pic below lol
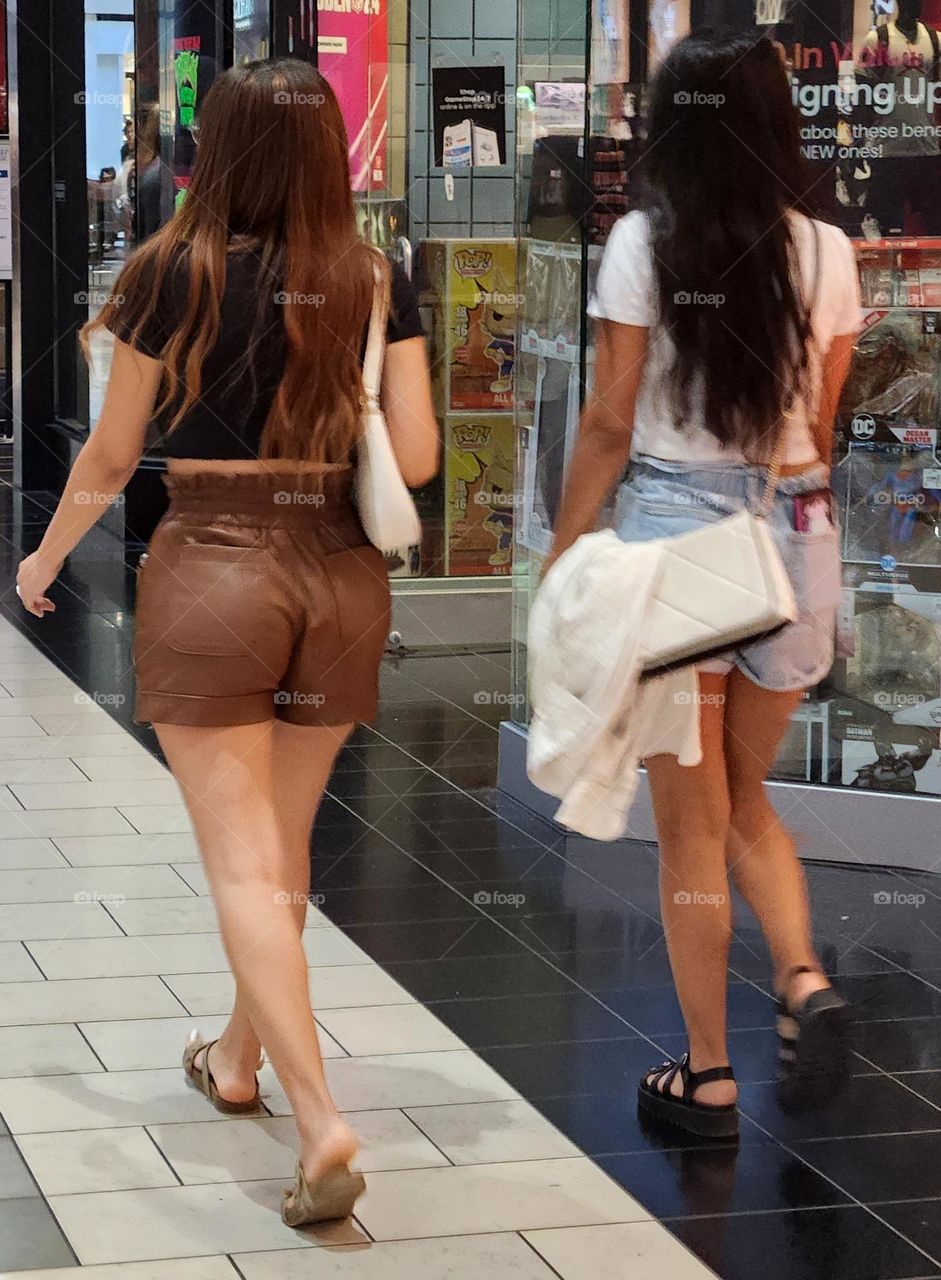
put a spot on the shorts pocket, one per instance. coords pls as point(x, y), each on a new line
point(214, 600)
point(813, 564)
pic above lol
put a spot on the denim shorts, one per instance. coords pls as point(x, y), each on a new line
point(661, 499)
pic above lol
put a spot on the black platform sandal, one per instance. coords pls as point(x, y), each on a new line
point(813, 1045)
point(654, 1098)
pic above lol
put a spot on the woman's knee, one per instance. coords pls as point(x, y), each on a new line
point(751, 813)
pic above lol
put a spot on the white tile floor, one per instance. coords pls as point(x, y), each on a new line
point(109, 952)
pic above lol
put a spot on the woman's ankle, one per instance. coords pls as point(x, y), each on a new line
point(325, 1144)
point(796, 982)
point(239, 1050)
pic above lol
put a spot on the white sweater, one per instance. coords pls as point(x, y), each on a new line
point(593, 720)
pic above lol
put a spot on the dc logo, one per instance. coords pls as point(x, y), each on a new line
point(863, 426)
point(888, 563)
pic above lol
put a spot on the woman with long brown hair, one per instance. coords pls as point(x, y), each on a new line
point(262, 610)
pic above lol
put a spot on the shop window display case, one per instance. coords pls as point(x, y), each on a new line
point(874, 725)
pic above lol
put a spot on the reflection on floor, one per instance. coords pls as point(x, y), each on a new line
point(445, 911)
point(110, 952)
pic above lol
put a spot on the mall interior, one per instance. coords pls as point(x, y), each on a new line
point(488, 986)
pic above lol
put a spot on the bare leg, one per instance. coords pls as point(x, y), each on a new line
point(301, 779)
point(761, 854)
point(251, 848)
point(691, 807)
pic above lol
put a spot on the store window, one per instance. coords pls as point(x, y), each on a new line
point(428, 91)
point(867, 81)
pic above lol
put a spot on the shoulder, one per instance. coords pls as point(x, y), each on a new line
point(630, 235)
point(831, 243)
point(833, 237)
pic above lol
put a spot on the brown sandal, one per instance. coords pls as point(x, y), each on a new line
point(201, 1078)
point(329, 1199)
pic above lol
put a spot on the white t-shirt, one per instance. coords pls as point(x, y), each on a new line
point(626, 291)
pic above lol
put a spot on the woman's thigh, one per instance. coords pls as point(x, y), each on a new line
point(252, 790)
point(692, 802)
point(756, 721)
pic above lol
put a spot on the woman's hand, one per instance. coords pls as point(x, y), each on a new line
point(34, 578)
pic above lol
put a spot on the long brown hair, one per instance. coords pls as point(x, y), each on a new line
point(273, 170)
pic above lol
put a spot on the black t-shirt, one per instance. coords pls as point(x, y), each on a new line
point(241, 373)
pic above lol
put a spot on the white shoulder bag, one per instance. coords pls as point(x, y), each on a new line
point(720, 586)
point(386, 508)
point(725, 583)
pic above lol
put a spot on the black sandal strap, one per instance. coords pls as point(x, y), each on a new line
point(696, 1078)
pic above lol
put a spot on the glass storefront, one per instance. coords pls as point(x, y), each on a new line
point(493, 147)
point(871, 125)
point(411, 77)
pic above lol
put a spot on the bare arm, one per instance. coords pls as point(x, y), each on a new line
point(604, 433)
point(836, 365)
point(103, 467)
point(407, 403)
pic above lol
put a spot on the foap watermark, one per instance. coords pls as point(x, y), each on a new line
point(485, 898)
point(87, 498)
point(691, 499)
point(97, 298)
point(693, 98)
point(892, 498)
point(91, 897)
point(688, 699)
point(883, 898)
point(284, 698)
point(99, 699)
point(97, 99)
point(696, 898)
point(296, 299)
point(499, 501)
point(497, 698)
point(297, 99)
point(895, 700)
point(696, 298)
point(497, 299)
point(284, 899)
point(297, 498)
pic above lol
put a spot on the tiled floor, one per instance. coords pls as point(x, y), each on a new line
point(110, 954)
point(488, 991)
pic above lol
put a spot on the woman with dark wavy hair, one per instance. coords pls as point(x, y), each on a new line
point(262, 610)
point(727, 320)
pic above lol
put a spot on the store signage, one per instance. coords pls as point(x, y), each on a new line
point(369, 8)
point(768, 13)
point(469, 116)
point(353, 53)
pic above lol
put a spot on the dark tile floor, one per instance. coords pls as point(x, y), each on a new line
point(545, 954)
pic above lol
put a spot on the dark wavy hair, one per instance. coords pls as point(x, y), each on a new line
point(722, 168)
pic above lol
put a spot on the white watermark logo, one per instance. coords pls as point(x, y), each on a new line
point(683, 298)
point(883, 898)
point(484, 898)
point(684, 98)
point(496, 698)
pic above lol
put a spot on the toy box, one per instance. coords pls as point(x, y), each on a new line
point(473, 298)
point(479, 493)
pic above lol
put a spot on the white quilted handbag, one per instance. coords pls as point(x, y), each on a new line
point(720, 586)
point(386, 508)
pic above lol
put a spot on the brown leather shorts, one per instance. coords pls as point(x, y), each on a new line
point(260, 598)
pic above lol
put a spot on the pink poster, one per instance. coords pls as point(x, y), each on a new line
point(353, 53)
